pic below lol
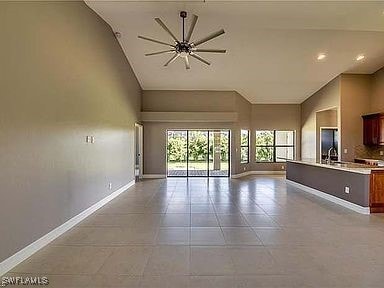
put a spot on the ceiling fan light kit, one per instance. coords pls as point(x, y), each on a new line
point(185, 47)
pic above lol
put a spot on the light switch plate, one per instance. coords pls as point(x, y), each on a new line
point(381, 153)
point(345, 151)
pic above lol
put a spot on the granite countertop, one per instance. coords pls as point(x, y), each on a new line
point(378, 162)
point(344, 166)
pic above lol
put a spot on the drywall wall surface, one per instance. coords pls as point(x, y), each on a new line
point(326, 98)
point(63, 77)
point(355, 91)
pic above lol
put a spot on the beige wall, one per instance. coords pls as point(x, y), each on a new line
point(376, 104)
point(274, 117)
point(377, 99)
point(244, 109)
point(355, 94)
point(63, 76)
point(190, 101)
point(326, 98)
point(251, 117)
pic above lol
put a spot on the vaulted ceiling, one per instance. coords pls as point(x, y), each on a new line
point(272, 47)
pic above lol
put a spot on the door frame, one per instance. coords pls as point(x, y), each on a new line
point(187, 162)
point(320, 140)
point(139, 150)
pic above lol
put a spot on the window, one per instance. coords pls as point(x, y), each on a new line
point(275, 146)
point(244, 146)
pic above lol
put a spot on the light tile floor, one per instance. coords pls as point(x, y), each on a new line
point(218, 232)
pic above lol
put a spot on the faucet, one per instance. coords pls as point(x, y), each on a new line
point(330, 150)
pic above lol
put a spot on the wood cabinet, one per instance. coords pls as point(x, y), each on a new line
point(373, 129)
point(381, 130)
point(376, 197)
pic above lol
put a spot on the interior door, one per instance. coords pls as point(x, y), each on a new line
point(138, 151)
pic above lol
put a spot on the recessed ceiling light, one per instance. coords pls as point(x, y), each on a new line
point(360, 57)
point(321, 56)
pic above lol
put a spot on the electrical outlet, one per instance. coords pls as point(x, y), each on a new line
point(244, 168)
point(110, 186)
point(92, 139)
point(381, 153)
point(346, 189)
point(345, 151)
point(282, 167)
point(87, 139)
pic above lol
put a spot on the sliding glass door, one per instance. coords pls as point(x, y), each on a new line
point(219, 153)
point(198, 153)
point(177, 153)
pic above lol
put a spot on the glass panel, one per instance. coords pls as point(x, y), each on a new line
point(264, 138)
point(264, 154)
point(197, 153)
point(284, 138)
point(244, 137)
point(177, 153)
point(284, 153)
point(218, 153)
point(244, 154)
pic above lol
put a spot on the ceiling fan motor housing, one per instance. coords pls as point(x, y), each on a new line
point(183, 47)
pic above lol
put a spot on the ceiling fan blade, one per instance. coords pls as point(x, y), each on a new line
point(174, 57)
point(209, 37)
point(211, 50)
point(161, 23)
point(186, 60)
point(191, 28)
point(199, 58)
point(154, 40)
point(160, 52)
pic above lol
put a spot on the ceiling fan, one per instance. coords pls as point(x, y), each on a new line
point(185, 47)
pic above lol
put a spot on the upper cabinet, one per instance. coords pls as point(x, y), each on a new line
point(374, 129)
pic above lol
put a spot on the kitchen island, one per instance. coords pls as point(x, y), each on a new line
point(355, 186)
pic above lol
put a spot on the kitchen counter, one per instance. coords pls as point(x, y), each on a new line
point(356, 186)
point(368, 161)
point(344, 166)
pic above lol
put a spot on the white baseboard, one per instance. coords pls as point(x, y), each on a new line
point(247, 173)
point(334, 199)
point(154, 176)
point(32, 248)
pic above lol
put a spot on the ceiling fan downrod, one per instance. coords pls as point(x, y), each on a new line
point(183, 15)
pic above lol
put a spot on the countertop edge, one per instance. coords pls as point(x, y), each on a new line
point(366, 171)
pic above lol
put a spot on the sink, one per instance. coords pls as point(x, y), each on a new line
point(334, 162)
point(341, 162)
